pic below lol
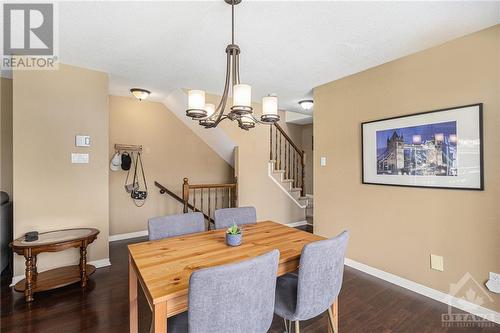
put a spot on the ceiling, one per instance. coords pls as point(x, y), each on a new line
point(288, 47)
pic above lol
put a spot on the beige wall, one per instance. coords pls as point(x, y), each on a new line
point(307, 146)
point(254, 185)
point(462, 226)
point(171, 152)
point(50, 108)
point(6, 135)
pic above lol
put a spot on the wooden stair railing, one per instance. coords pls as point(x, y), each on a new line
point(287, 157)
point(210, 196)
point(204, 198)
point(164, 190)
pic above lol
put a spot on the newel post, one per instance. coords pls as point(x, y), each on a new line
point(235, 197)
point(185, 194)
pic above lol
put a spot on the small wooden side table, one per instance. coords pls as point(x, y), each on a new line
point(54, 241)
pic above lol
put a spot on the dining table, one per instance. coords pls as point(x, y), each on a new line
point(162, 268)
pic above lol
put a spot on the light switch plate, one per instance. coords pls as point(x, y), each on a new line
point(79, 158)
point(437, 262)
point(82, 141)
point(322, 161)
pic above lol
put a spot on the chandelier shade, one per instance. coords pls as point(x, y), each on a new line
point(241, 110)
point(269, 109)
point(196, 104)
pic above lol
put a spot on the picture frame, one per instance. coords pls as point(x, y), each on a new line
point(440, 149)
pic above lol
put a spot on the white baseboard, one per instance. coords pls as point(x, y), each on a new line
point(426, 291)
point(296, 224)
point(97, 263)
point(100, 263)
point(129, 235)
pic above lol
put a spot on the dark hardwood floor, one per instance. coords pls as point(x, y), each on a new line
point(367, 304)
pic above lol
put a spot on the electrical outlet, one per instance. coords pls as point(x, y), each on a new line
point(437, 262)
point(322, 161)
point(495, 277)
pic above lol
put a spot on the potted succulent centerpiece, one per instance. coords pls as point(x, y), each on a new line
point(233, 235)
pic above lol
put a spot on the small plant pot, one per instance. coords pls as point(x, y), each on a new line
point(233, 240)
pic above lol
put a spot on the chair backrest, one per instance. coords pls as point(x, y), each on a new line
point(175, 225)
point(320, 275)
point(224, 218)
point(234, 298)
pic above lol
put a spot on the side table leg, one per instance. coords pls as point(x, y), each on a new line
point(83, 265)
point(28, 291)
point(35, 270)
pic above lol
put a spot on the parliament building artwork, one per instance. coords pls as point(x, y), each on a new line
point(424, 150)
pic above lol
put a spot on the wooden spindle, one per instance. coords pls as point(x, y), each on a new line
point(276, 166)
point(185, 194)
point(270, 143)
point(294, 170)
point(302, 164)
point(209, 204)
point(289, 167)
point(194, 200)
point(286, 164)
point(216, 195)
point(280, 167)
point(201, 203)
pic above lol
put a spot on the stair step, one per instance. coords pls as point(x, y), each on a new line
point(296, 189)
point(287, 181)
point(279, 171)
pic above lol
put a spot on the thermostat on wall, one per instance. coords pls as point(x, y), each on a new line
point(82, 141)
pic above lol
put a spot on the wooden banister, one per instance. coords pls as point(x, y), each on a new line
point(164, 190)
point(290, 141)
point(211, 197)
point(287, 156)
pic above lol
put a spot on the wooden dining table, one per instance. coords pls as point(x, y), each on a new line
point(162, 268)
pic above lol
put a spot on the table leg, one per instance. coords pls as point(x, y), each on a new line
point(160, 317)
point(83, 265)
point(28, 291)
point(132, 293)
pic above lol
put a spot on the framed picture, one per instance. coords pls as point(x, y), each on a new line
point(436, 149)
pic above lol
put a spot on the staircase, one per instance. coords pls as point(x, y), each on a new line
point(286, 165)
point(204, 198)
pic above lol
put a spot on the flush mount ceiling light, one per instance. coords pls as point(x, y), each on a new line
point(210, 116)
point(139, 93)
point(306, 104)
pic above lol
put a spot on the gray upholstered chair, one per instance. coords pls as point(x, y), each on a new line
point(175, 225)
point(317, 285)
point(234, 298)
point(224, 218)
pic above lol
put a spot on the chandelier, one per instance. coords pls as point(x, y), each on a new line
point(241, 111)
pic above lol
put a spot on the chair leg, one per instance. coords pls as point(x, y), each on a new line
point(297, 326)
point(286, 326)
point(332, 323)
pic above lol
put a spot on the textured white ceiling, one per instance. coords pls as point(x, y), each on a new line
point(288, 47)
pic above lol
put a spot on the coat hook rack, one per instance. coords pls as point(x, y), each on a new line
point(123, 147)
